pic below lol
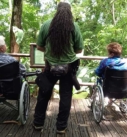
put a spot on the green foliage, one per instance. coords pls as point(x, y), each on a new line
point(80, 95)
point(31, 24)
point(4, 19)
point(96, 23)
point(95, 19)
point(99, 22)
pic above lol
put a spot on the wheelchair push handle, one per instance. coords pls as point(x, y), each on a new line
point(27, 74)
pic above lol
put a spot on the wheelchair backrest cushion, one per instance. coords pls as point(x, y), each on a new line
point(10, 80)
point(115, 83)
point(9, 70)
point(10, 88)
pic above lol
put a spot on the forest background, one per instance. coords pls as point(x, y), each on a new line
point(100, 22)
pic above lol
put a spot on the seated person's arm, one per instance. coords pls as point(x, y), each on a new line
point(99, 71)
point(22, 68)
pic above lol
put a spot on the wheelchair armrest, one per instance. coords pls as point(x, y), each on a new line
point(27, 74)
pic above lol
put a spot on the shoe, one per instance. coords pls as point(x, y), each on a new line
point(37, 127)
point(61, 131)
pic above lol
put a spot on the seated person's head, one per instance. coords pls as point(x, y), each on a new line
point(114, 49)
point(2, 45)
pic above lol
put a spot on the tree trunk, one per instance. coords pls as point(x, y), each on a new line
point(113, 13)
point(15, 21)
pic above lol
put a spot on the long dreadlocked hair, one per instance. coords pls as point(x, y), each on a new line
point(60, 30)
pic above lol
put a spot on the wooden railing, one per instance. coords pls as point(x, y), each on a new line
point(81, 57)
point(19, 55)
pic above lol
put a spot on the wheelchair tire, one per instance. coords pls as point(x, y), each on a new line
point(92, 96)
point(24, 102)
point(98, 104)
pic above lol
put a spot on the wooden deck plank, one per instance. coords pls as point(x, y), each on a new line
point(74, 122)
point(104, 128)
point(116, 120)
point(8, 127)
point(52, 117)
point(80, 123)
point(22, 131)
point(8, 115)
point(87, 113)
point(113, 129)
point(28, 128)
point(97, 128)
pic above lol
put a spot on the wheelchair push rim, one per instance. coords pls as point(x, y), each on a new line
point(24, 103)
point(98, 104)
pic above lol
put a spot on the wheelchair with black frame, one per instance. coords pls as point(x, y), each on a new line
point(113, 86)
point(14, 86)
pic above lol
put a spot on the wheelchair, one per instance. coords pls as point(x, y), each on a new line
point(14, 86)
point(113, 86)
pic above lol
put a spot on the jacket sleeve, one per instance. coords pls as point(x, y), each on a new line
point(99, 71)
point(22, 68)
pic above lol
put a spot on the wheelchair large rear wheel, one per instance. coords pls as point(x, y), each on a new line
point(24, 103)
point(98, 104)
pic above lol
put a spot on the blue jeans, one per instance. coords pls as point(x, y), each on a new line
point(65, 91)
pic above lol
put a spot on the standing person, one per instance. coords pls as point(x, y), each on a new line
point(60, 39)
point(5, 58)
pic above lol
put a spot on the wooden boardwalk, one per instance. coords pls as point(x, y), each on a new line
point(81, 122)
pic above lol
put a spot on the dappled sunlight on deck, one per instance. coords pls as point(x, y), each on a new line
point(80, 124)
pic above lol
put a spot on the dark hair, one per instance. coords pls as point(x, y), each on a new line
point(60, 30)
point(114, 48)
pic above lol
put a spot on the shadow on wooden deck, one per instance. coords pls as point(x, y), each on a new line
point(80, 124)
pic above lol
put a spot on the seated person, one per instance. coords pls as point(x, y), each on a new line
point(5, 58)
point(114, 61)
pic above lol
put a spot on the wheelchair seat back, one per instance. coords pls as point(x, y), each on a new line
point(10, 80)
point(115, 83)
